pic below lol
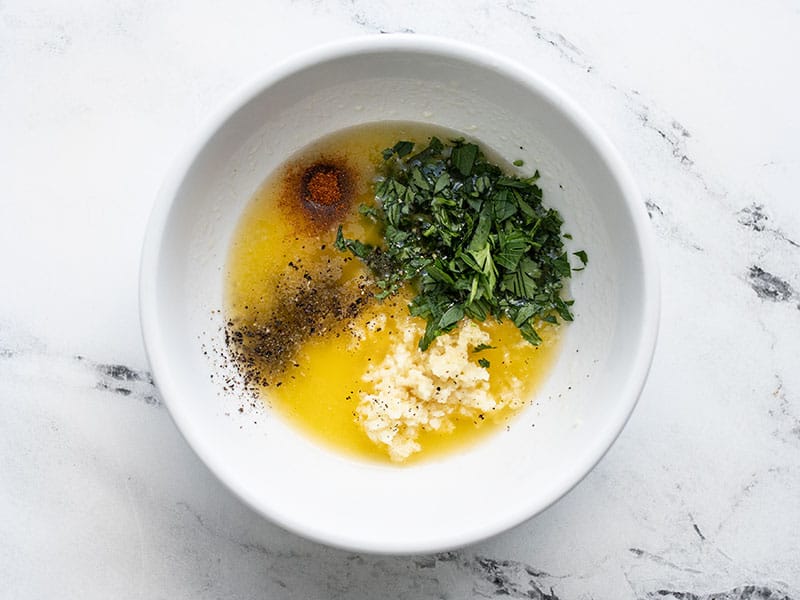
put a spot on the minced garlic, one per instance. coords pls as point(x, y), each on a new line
point(414, 391)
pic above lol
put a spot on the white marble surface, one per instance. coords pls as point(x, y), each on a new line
point(101, 498)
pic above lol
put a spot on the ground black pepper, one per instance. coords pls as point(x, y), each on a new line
point(263, 344)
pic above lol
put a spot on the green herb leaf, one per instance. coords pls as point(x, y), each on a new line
point(452, 316)
point(358, 248)
point(561, 265)
point(482, 347)
point(403, 148)
point(367, 211)
point(463, 158)
point(418, 179)
point(480, 237)
point(484, 363)
point(513, 245)
point(442, 183)
point(530, 335)
point(472, 241)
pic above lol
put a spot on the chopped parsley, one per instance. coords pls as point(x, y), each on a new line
point(472, 241)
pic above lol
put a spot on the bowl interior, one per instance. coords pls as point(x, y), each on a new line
point(495, 484)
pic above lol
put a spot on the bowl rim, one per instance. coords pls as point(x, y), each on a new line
point(154, 342)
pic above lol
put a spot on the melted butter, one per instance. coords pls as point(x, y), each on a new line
point(319, 388)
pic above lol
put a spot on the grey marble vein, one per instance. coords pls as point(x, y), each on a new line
point(769, 286)
point(644, 554)
point(479, 575)
point(666, 226)
point(754, 217)
point(666, 127)
point(749, 592)
point(564, 47)
point(117, 379)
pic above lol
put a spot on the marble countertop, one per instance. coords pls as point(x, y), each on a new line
point(101, 498)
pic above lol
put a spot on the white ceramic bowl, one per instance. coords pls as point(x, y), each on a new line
point(499, 482)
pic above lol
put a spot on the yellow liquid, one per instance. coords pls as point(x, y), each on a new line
point(319, 388)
